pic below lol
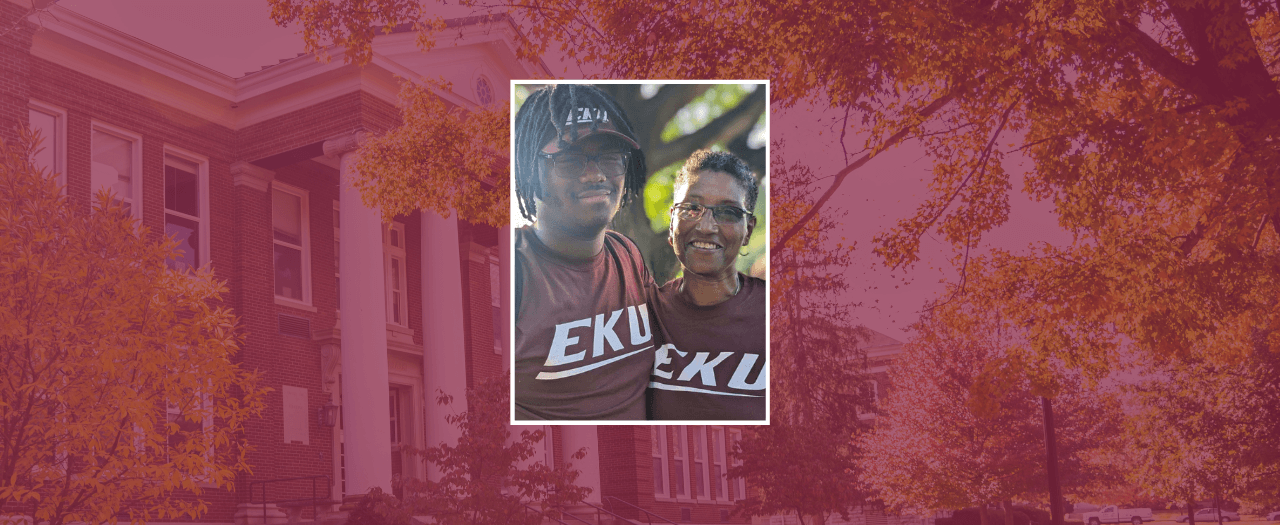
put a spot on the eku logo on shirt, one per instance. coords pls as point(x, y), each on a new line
point(699, 374)
point(603, 332)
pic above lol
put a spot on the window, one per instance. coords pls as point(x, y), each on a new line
point(290, 235)
point(393, 403)
point(548, 446)
point(51, 122)
point(116, 166)
point(719, 485)
point(658, 435)
point(394, 254)
point(185, 208)
point(191, 417)
point(700, 462)
point(868, 396)
point(680, 453)
point(495, 299)
point(484, 91)
point(739, 485)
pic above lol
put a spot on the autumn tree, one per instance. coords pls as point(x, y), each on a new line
point(803, 462)
point(963, 425)
point(119, 396)
point(442, 158)
point(487, 477)
point(1202, 431)
point(1148, 124)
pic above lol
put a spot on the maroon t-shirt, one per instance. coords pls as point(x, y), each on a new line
point(584, 337)
point(712, 367)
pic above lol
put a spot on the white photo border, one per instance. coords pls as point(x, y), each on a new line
point(768, 177)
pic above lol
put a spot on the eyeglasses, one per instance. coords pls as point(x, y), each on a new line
point(573, 164)
point(724, 214)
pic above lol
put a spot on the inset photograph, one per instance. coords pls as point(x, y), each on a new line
point(640, 286)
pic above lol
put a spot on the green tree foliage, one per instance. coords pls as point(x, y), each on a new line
point(118, 393)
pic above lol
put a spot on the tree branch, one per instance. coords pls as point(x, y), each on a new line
point(977, 168)
point(924, 113)
point(660, 109)
point(738, 120)
point(1164, 63)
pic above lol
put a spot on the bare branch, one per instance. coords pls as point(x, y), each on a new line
point(924, 113)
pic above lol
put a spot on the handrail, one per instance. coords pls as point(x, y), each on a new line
point(579, 518)
point(648, 514)
point(543, 514)
point(313, 500)
point(611, 513)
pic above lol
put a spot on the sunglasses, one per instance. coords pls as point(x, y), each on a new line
point(724, 214)
point(573, 164)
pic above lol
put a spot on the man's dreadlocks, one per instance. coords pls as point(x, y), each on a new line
point(545, 112)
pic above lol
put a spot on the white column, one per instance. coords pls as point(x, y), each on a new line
point(444, 365)
point(366, 435)
point(504, 269)
point(574, 437)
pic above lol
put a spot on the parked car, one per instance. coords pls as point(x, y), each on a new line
point(1113, 514)
point(1210, 514)
point(1274, 516)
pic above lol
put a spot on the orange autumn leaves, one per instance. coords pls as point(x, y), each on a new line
point(120, 391)
point(441, 158)
point(1151, 127)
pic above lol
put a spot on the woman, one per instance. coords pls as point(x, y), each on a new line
point(712, 367)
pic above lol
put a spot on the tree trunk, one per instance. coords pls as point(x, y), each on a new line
point(1217, 506)
point(1051, 464)
point(1191, 512)
point(1007, 506)
point(982, 514)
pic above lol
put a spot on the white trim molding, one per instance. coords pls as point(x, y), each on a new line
point(251, 176)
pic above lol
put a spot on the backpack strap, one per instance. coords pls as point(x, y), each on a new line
point(519, 283)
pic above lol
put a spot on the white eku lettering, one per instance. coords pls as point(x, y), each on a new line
point(637, 321)
point(703, 368)
point(584, 116)
point(739, 379)
point(605, 331)
point(661, 358)
point(643, 315)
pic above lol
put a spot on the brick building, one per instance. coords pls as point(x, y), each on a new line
point(249, 173)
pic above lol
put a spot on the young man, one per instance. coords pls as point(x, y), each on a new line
point(584, 346)
point(713, 318)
